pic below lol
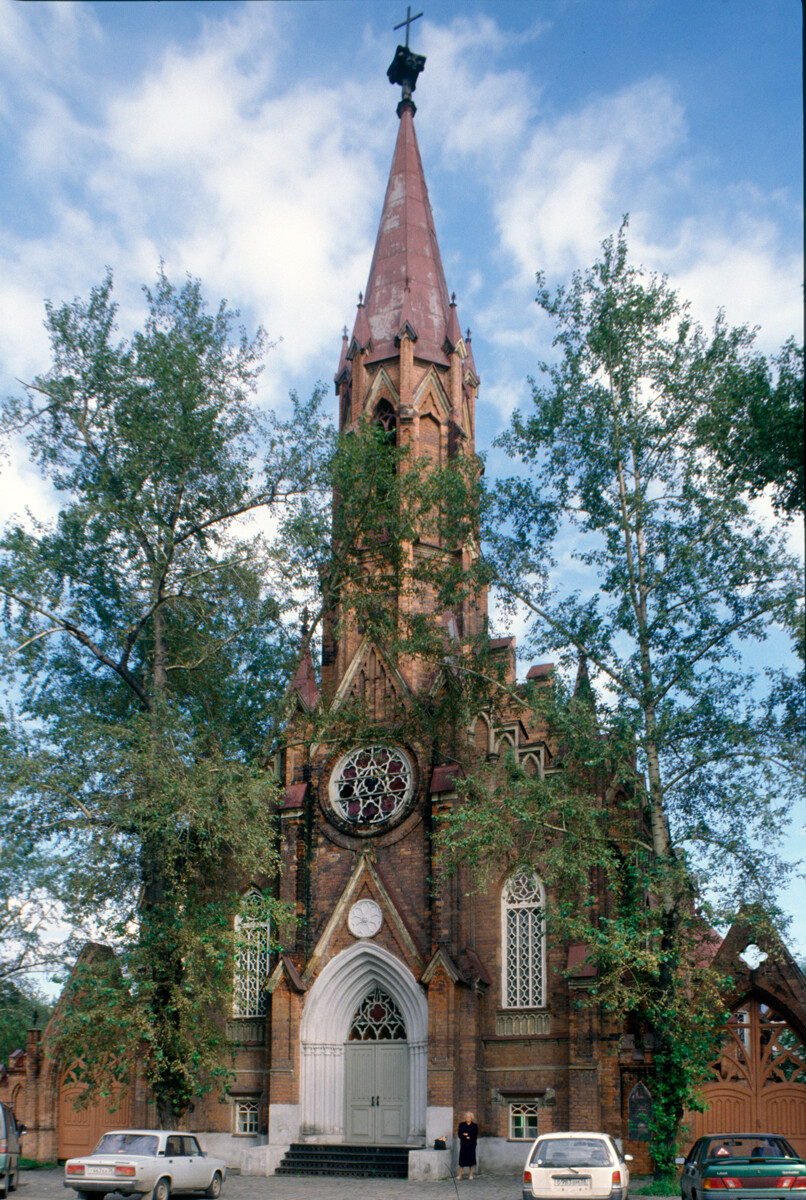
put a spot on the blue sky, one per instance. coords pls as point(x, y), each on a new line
point(249, 144)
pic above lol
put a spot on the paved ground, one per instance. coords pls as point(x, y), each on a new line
point(48, 1185)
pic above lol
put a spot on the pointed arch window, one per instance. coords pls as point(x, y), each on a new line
point(523, 937)
point(378, 1019)
point(252, 941)
point(385, 417)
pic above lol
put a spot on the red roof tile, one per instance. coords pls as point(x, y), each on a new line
point(294, 797)
point(576, 965)
point(540, 671)
point(444, 777)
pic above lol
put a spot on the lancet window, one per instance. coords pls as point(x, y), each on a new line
point(524, 941)
point(378, 1019)
point(252, 941)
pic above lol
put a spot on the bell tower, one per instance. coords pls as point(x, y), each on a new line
point(406, 365)
point(362, 999)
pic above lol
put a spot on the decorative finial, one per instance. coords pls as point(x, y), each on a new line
point(467, 334)
point(306, 616)
point(408, 22)
point(360, 298)
point(344, 333)
point(406, 65)
point(453, 297)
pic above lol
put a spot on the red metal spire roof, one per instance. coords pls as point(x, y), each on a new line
point(406, 270)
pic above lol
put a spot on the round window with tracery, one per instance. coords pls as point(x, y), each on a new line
point(371, 785)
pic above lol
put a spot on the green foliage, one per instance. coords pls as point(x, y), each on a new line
point(151, 635)
point(19, 1001)
point(661, 1185)
point(676, 773)
point(149, 638)
point(755, 427)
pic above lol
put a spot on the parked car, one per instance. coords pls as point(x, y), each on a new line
point(576, 1164)
point(748, 1164)
point(10, 1133)
point(157, 1163)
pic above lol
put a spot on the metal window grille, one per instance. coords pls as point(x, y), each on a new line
point(246, 1116)
point(523, 1121)
point(252, 939)
point(524, 935)
point(371, 784)
point(378, 1019)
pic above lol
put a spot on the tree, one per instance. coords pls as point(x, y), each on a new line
point(691, 775)
point(150, 641)
point(755, 427)
point(22, 1006)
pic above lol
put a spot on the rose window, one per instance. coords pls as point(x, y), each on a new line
point(371, 785)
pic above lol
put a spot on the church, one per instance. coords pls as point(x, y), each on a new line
point(405, 998)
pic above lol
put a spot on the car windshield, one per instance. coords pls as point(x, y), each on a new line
point(748, 1147)
point(571, 1152)
point(127, 1143)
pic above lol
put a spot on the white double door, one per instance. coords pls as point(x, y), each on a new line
point(376, 1093)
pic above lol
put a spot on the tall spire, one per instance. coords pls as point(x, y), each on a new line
point(406, 285)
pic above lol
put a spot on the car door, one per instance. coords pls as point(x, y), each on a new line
point(689, 1179)
point(195, 1163)
point(176, 1162)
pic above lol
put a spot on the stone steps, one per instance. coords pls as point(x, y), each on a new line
point(366, 1162)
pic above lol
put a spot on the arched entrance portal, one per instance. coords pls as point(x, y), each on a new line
point(338, 1005)
point(759, 1082)
point(376, 1073)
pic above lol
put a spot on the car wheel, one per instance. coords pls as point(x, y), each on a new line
point(214, 1190)
point(162, 1190)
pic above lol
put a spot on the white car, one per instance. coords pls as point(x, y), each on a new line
point(156, 1163)
point(576, 1164)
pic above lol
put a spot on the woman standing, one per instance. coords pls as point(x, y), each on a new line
point(468, 1134)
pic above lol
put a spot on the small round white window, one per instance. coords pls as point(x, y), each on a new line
point(371, 785)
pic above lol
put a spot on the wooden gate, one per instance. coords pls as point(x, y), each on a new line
point(759, 1080)
point(79, 1129)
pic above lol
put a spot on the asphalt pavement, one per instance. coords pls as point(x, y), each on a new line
point(48, 1185)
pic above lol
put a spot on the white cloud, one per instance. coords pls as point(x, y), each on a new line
point(741, 264)
point(579, 174)
point(478, 111)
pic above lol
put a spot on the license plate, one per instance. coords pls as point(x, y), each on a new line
point(103, 1170)
point(572, 1183)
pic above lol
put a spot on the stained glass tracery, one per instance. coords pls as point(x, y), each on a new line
point(378, 1019)
point(524, 941)
point(252, 946)
point(371, 784)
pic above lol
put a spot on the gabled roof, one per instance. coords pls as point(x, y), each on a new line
point(304, 683)
point(406, 285)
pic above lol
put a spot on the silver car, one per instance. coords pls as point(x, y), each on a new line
point(576, 1164)
point(157, 1163)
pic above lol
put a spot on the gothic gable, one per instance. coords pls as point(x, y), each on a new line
point(381, 387)
point(372, 681)
point(364, 885)
point(430, 397)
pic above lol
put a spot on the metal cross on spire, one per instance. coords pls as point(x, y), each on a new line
point(406, 65)
point(408, 21)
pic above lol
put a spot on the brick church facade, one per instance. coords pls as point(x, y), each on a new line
point(405, 997)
